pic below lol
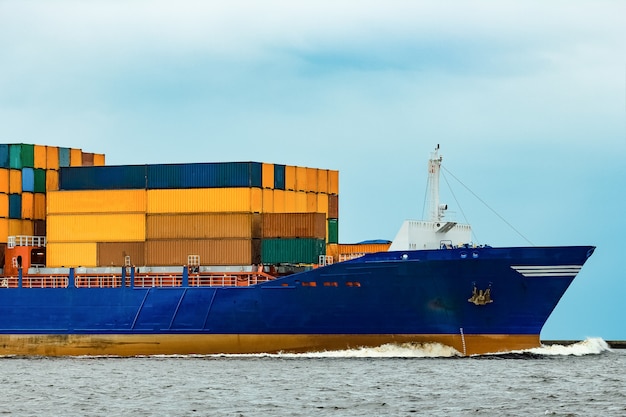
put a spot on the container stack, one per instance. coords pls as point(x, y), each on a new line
point(235, 213)
point(27, 174)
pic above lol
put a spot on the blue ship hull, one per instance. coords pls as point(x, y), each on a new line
point(477, 300)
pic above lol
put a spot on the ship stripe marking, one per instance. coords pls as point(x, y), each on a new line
point(547, 270)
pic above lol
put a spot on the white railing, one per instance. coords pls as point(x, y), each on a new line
point(37, 241)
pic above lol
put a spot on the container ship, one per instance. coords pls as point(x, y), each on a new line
point(244, 257)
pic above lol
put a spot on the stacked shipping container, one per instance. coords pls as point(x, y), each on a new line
point(237, 213)
point(27, 174)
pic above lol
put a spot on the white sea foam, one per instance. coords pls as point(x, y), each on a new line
point(589, 346)
point(390, 350)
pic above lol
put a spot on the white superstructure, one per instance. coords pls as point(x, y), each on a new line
point(435, 232)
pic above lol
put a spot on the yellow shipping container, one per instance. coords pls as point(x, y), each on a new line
point(301, 179)
point(268, 176)
point(39, 210)
point(322, 180)
point(98, 159)
point(28, 205)
point(71, 254)
point(4, 180)
point(76, 157)
point(290, 177)
point(15, 181)
point(52, 180)
point(52, 157)
point(40, 157)
point(96, 227)
point(333, 182)
point(205, 200)
point(203, 226)
point(97, 201)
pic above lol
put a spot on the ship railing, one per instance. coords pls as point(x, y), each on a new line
point(9, 282)
point(228, 279)
point(42, 281)
point(97, 281)
point(347, 256)
point(157, 280)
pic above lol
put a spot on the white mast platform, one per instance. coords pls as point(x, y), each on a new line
point(434, 233)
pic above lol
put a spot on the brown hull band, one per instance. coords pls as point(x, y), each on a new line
point(168, 344)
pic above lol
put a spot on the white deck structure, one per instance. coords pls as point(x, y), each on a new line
point(436, 232)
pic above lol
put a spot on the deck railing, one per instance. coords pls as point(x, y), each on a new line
point(139, 280)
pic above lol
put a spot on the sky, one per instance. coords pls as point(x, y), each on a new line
point(526, 99)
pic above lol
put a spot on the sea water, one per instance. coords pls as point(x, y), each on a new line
point(584, 379)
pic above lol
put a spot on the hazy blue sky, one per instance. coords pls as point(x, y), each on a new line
point(527, 99)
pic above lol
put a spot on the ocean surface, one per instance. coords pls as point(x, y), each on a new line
point(585, 379)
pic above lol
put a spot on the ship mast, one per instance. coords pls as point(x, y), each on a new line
point(435, 210)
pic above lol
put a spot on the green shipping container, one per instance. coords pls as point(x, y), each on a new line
point(333, 231)
point(40, 180)
point(292, 251)
point(21, 156)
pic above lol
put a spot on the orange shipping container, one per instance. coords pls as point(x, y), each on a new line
point(15, 181)
point(205, 200)
point(333, 182)
point(76, 157)
point(301, 179)
point(96, 227)
point(203, 226)
point(210, 251)
point(28, 205)
point(322, 181)
point(322, 204)
point(40, 157)
point(28, 227)
point(268, 200)
point(97, 201)
point(52, 180)
point(294, 225)
point(311, 180)
point(15, 227)
point(290, 177)
point(311, 202)
point(279, 201)
point(358, 248)
point(4, 205)
point(71, 254)
point(52, 157)
point(301, 202)
point(4, 230)
point(39, 210)
point(98, 159)
point(268, 176)
point(4, 180)
point(115, 253)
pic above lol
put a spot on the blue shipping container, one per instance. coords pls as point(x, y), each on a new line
point(28, 180)
point(15, 206)
point(279, 177)
point(64, 157)
point(4, 156)
point(119, 177)
point(205, 175)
